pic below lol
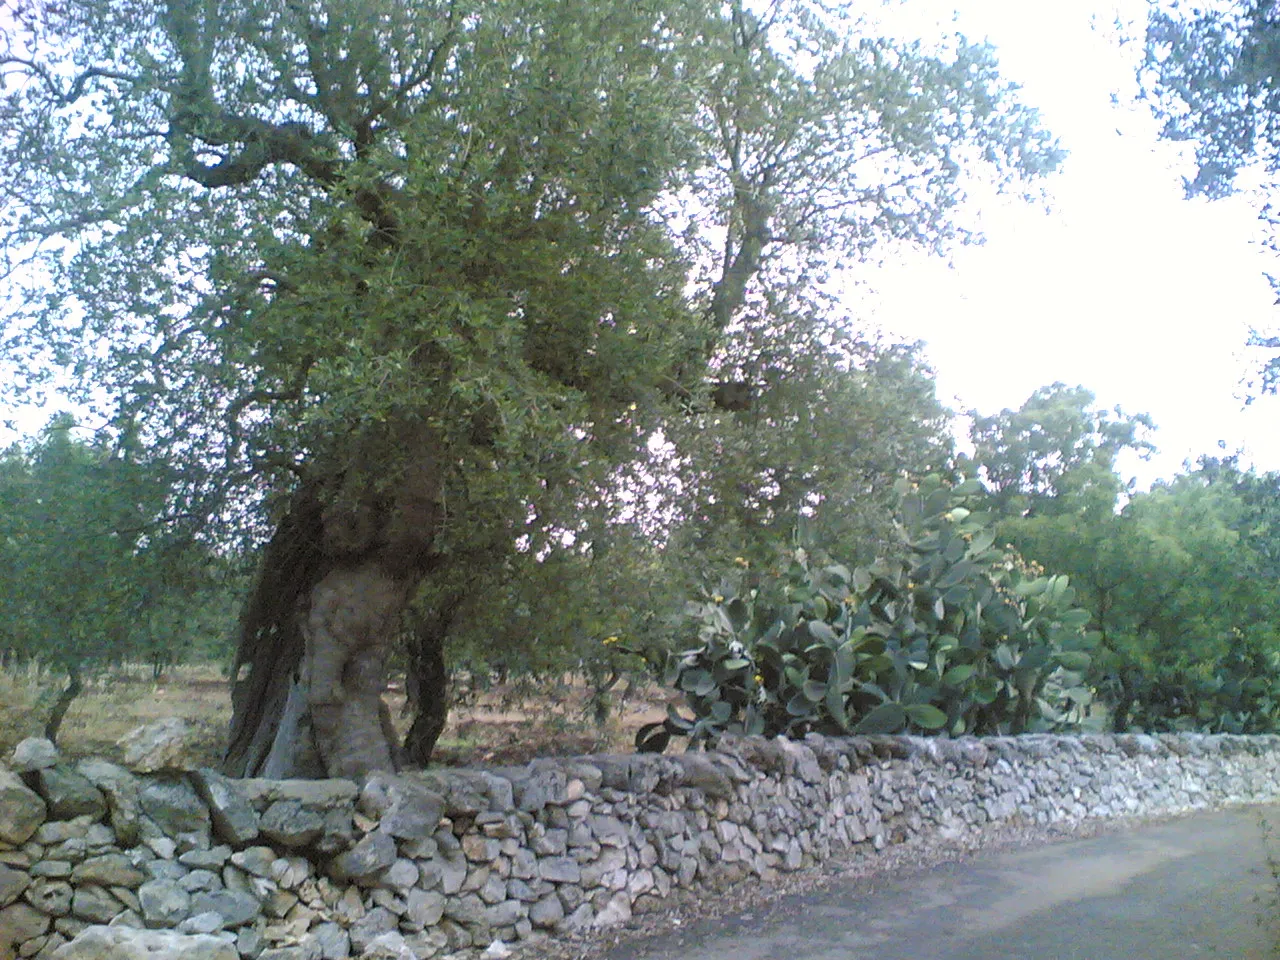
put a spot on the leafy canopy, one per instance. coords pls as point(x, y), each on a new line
point(273, 234)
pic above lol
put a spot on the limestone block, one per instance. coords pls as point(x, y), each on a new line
point(125, 943)
point(366, 859)
point(171, 803)
point(108, 869)
point(235, 821)
point(22, 810)
point(154, 747)
point(68, 794)
point(12, 884)
point(33, 753)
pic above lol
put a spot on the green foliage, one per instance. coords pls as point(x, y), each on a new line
point(960, 637)
point(1210, 76)
point(343, 239)
point(90, 573)
point(1056, 453)
point(1180, 581)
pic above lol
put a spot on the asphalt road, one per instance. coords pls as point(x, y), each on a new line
point(1201, 886)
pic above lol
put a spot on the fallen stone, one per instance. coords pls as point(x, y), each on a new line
point(33, 753)
point(159, 746)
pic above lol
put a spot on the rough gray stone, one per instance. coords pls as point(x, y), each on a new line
point(212, 859)
point(289, 872)
point(388, 946)
point(424, 907)
point(20, 922)
point(256, 860)
point(547, 912)
point(50, 896)
point(159, 746)
point(94, 904)
point(370, 856)
point(124, 943)
point(235, 821)
point(405, 808)
point(329, 940)
point(33, 753)
point(172, 805)
point(234, 907)
point(12, 883)
point(467, 909)
point(68, 794)
point(559, 869)
point(109, 870)
point(207, 922)
point(616, 911)
point(291, 824)
point(120, 787)
point(609, 831)
point(164, 903)
point(320, 794)
point(21, 810)
point(372, 925)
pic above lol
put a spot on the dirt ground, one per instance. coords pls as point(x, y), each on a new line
point(502, 725)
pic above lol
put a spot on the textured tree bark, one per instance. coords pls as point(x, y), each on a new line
point(427, 684)
point(350, 628)
point(324, 616)
point(73, 690)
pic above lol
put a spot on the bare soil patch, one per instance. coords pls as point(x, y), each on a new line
point(504, 724)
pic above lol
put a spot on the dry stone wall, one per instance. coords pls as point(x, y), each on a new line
point(427, 864)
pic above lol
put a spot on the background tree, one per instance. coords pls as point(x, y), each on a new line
point(1057, 453)
point(1171, 576)
point(399, 283)
point(1212, 76)
point(92, 573)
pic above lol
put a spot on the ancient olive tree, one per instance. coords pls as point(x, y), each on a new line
point(394, 279)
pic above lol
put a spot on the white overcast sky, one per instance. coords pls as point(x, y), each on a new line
point(1124, 286)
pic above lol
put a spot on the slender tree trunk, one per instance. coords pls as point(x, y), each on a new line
point(65, 699)
point(428, 685)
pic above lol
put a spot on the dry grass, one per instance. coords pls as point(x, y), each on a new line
point(506, 724)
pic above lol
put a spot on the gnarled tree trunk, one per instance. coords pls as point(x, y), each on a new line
point(323, 618)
